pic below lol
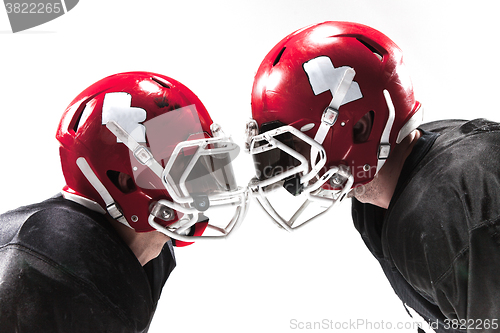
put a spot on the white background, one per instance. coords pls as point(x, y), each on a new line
point(262, 278)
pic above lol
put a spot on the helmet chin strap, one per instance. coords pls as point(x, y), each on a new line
point(111, 206)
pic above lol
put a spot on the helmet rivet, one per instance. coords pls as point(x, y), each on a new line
point(336, 180)
point(366, 167)
point(134, 218)
point(166, 214)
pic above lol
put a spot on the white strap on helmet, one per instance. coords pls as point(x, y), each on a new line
point(384, 147)
point(331, 112)
point(111, 207)
point(141, 153)
point(412, 124)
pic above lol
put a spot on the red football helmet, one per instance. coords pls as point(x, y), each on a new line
point(309, 92)
point(143, 148)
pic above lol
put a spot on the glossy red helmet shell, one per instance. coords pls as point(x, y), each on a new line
point(82, 134)
point(282, 90)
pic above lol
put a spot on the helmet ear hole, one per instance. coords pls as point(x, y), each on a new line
point(122, 181)
point(362, 129)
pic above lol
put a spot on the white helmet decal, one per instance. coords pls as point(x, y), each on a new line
point(324, 76)
point(116, 107)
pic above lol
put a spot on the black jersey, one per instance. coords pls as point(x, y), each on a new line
point(439, 241)
point(64, 268)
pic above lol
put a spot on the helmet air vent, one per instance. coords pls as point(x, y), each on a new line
point(82, 113)
point(161, 82)
point(371, 48)
point(78, 118)
point(278, 57)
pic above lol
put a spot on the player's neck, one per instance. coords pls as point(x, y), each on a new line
point(145, 245)
point(380, 190)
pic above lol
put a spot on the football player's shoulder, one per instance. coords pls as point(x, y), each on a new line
point(59, 218)
point(33, 221)
point(60, 230)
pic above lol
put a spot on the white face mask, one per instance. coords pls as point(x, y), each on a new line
point(285, 177)
point(198, 176)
